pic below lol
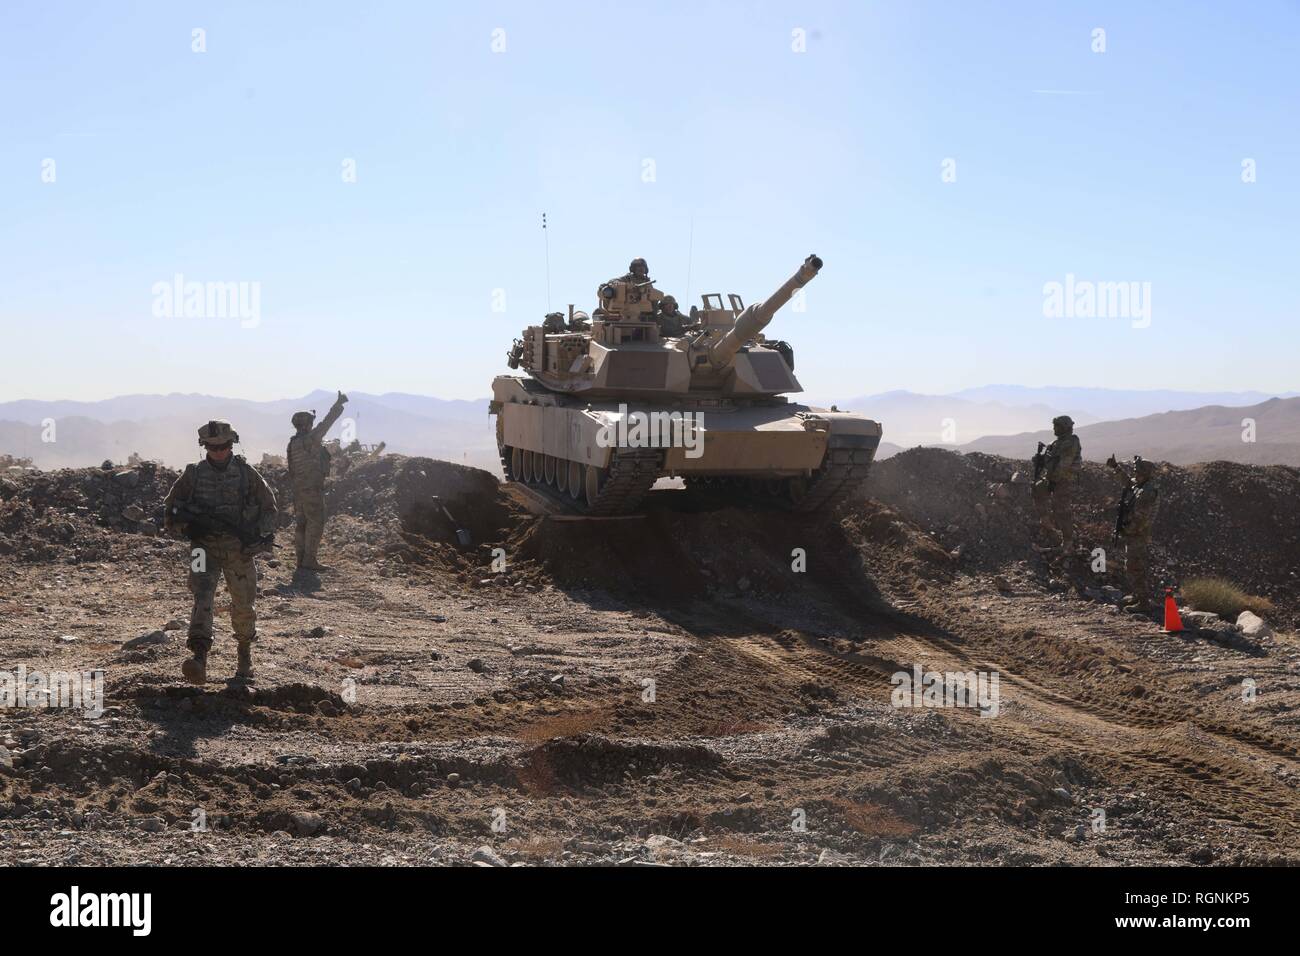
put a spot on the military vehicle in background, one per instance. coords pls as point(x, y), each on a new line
point(611, 403)
point(344, 457)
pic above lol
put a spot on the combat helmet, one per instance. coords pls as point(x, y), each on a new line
point(217, 432)
point(1143, 468)
point(1063, 421)
point(303, 419)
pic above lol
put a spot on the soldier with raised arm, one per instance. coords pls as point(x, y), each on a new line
point(228, 512)
point(1137, 515)
point(308, 465)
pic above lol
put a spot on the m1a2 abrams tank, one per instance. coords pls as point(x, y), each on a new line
point(637, 391)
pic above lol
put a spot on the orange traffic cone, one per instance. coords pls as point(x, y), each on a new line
point(1173, 622)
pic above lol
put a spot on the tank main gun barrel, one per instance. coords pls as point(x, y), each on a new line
point(755, 318)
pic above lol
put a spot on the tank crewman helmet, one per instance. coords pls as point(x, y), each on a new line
point(639, 268)
point(668, 305)
point(217, 432)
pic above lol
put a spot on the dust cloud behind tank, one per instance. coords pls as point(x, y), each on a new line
point(636, 391)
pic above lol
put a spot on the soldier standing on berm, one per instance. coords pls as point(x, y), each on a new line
point(228, 512)
point(308, 466)
point(1054, 488)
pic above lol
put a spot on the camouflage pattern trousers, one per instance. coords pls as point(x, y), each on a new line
point(210, 559)
point(1055, 510)
point(1137, 570)
point(309, 523)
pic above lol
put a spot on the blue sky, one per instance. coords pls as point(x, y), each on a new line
point(226, 166)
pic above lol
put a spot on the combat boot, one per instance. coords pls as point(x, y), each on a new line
point(244, 668)
point(195, 667)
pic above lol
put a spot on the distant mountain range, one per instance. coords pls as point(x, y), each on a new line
point(1212, 433)
point(1005, 418)
point(1002, 419)
point(1087, 405)
point(164, 427)
point(910, 419)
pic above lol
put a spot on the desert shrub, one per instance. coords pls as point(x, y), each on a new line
point(1222, 598)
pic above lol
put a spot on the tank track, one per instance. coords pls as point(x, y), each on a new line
point(632, 472)
point(843, 472)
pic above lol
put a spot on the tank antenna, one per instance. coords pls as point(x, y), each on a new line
point(547, 240)
point(690, 258)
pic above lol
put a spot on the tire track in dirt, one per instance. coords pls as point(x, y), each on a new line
point(1112, 732)
point(1121, 733)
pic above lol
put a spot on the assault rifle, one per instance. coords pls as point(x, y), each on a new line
point(202, 524)
point(1125, 509)
point(1126, 497)
point(1039, 461)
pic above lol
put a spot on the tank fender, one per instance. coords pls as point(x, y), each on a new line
point(848, 430)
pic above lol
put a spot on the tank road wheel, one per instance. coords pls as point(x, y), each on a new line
point(526, 471)
point(548, 469)
point(576, 477)
point(595, 478)
point(561, 475)
point(535, 467)
point(516, 464)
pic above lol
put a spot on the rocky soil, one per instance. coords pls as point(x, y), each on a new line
point(701, 685)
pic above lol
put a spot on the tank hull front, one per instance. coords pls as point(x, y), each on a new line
point(762, 439)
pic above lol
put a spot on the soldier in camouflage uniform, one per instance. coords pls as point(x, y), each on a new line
point(228, 512)
point(1136, 530)
point(637, 271)
point(308, 466)
point(672, 324)
point(637, 285)
point(1054, 490)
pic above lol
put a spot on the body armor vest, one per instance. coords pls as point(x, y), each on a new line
point(308, 462)
point(1143, 513)
point(221, 491)
point(1067, 473)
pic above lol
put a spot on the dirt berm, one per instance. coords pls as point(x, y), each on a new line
point(1222, 519)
